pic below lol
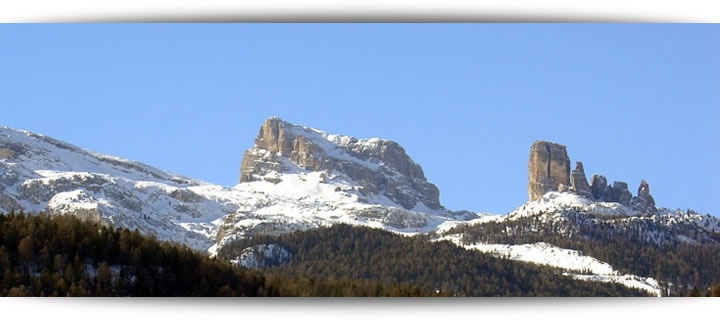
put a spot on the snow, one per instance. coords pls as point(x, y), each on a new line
point(79, 199)
point(334, 145)
point(482, 218)
point(46, 174)
point(260, 255)
point(631, 281)
point(584, 267)
point(49, 174)
point(557, 202)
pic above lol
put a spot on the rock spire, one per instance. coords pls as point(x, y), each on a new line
point(549, 166)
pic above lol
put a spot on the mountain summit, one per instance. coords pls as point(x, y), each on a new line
point(377, 166)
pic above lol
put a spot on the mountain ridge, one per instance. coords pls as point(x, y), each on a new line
point(300, 178)
point(377, 165)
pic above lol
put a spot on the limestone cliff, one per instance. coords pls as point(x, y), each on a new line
point(378, 166)
point(549, 170)
point(579, 182)
point(644, 201)
point(549, 166)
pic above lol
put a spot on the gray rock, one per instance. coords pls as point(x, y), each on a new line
point(185, 195)
point(599, 187)
point(548, 167)
point(644, 202)
point(6, 153)
point(8, 204)
point(10, 150)
point(644, 189)
point(263, 256)
point(579, 182)
point(85, 214)
point(620, 193)
point(381, 167)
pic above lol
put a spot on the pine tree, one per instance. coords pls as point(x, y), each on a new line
point(103, 281)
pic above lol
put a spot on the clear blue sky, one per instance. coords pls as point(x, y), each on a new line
point(466, 101)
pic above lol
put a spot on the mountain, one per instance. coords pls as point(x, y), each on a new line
point(293, 178)
point(299, 178)
point(598, 231)
point(39, 173)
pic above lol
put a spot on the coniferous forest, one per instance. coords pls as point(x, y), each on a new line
point(42, 255)
point(679, 267)
point(63, 256)
point(371, 254)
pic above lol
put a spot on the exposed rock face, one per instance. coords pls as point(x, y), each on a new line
point(184, 195)
point(8, 204)
point(378, 166)
point(644, 189)
point(549, 166)
point(6, 153)
point(620, 193)
point(262, 256)
point(579, 182)
point(599, 188)
point(644, 201)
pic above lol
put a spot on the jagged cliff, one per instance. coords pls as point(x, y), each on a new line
point(549, 170)
point(549, 167)
point(377, 166)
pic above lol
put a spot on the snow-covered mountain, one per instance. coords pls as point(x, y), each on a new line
point(39, 173)
point(570, 215)
point(297, 178)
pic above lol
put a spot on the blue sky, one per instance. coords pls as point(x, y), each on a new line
point(632, 101)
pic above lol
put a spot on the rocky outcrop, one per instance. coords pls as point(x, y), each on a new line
point(6, 153)
point(644, 189)
point(549, 166)
point(8, 204)
point(185, 195)
point(549, 170)
point(262, 256)
point(377, 166)
point(599, 188)
point(579, 182)
point(619, 193)
point(643, 202)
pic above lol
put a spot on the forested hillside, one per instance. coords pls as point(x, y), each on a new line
point(63, 256)
point(678, 266)
point(343, 251)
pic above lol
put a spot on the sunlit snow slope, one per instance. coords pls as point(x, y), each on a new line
point(38, 173)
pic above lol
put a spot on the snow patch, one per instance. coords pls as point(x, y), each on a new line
point(585, 267)
point(262, 255)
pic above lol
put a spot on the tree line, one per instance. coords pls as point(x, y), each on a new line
point(679, 266)
point(42, 255)
point(344, 251)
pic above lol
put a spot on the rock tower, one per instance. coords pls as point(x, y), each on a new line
point(549, 166)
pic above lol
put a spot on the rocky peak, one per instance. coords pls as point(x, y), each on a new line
point(599, 187)
point(378, 166)
point(549, 170)
point(644, 201)
point(644, 189)
point(549, 166)
point(579, 182)
point(620, 193)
